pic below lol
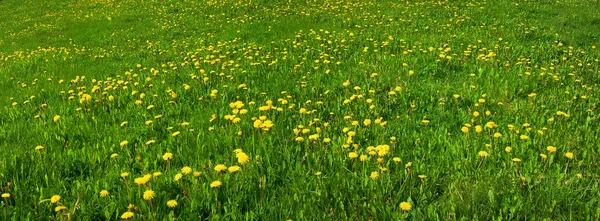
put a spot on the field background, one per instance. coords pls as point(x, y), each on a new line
point(466, 110)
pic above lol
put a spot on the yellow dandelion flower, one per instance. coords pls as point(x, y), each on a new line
point(220, 168)
point(149, 195)
point(405, 206)
point(242, 158)
point(124, 175)
point(233, 169)
point(352, 155)
point(177, 177)
point(56, 118)
point(544, 156)
point(55, 199)
point(516, 160)
point(215, 184)
point(551, 149)
point(167, 156)
point(60, 208)
point(104, 193)
point(483, 154)
point(374, 175)
point(569, 155)
point(39, 148)
point(127, 215)
point(5, 195)
point(186, 170)
point(123, 143)
point(172, 203)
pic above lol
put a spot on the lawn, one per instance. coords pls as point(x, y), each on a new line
point(299, 110)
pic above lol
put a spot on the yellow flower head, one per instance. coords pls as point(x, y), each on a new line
point(127, 215)
point(104, 193)
point(374, 175)
point(215, 184)
point(242, 158)
point(5, 195)
point(172, 203)
point(483, 154)
point(149, 195)
point(569, 155)
point(56, 118)
point(220, 168)
point(55, 199)
point(39, 148)
point(123, 143)
point(516, 160)
point(186, 170)
point(59, 208)
point(551, 149)
point(233, 169)
point(167, 156)
point(405, 206)
point(352, 155)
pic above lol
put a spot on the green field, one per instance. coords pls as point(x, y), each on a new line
point(299, 110)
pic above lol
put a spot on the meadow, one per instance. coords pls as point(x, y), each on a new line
point(299, 110)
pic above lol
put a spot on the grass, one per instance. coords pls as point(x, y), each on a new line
point(343, 110)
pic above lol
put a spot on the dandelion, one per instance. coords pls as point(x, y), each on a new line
point(569, 155)
point(374, 175)
point(39, 148)
point(242, 158)
point(55, 199)
point(524, 137)
point(59, 208)
point(215, 184)
point(123, 143)
point(544, 156)
point(508, 149)
point(397, 159)
point(56, 118)
point(114, 155)
point(220, 168)
point(551, 149)
point(186, 170)
point(352, 155)
point(127, 215)
point(5, 195)
point(483, 154)
point(233, 169)
point(124, 175)
point(318, 173)
point(104, 193)
point(141, 180)
point(405, 206)
point(177, 177)
point(167, 156)
point(516, 160)
point(149, 195)
point(172, 203)
point(422, 176)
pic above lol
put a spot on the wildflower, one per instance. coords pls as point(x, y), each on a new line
point(186, 170)
point(524, 137)
point(352, 155)
point(422, 176)
point(464, 129)
point(220, 168)
point(551, 149)
point(141, 180)
point(544, 156)
point(569, 155)
point(242, 158)
point(396, 159)
point(123, 143)
point(516, 160)
point(318, 173)
point(104, 193)
point(114, 155)
point(363, 157)
point(483, 154)
point(197, 174)
point(508, 149)
point(55, 199)
point(374, 175)
point(579, 175)
point(39, 148)
point(127, 215)
point(405, 206)
point(215, 184)
point(175, 133)
point(124, 175)
point(149, 195)
point(233, 169)
point(5, 195)
point(177, 177)
point(59, 208)
point(172, 203)
point(56, 118)
point(167, 156)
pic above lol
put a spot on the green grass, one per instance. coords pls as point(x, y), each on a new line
point(418, 74)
